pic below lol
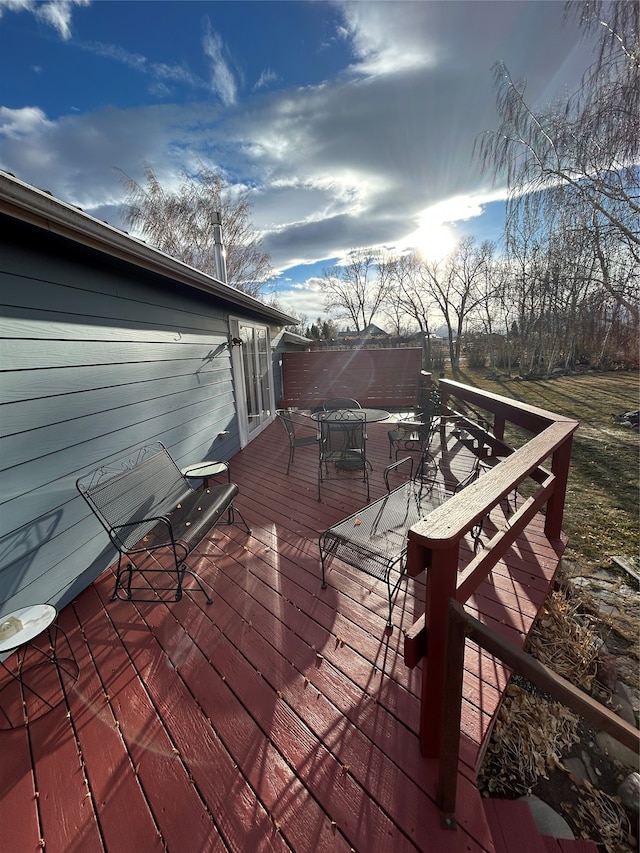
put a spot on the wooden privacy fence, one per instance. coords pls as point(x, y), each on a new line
point(383, 379)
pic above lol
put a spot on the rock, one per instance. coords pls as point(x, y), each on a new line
point(629, 695)
point(591, 771)
point(628, 419)
point(617, 751)
point(607, 672)
point(629, 793)
point(577, 768)
point(629, 565)
point(548, 821)
point(621, 706)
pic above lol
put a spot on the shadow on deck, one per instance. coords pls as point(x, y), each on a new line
point(281, 717)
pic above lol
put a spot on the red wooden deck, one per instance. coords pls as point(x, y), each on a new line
point(281, 717)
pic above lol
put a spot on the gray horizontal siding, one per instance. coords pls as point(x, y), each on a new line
point(96, 360)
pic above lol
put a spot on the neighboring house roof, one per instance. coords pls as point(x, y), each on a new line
point(371, 331)
point(29, 204)
point(286, 337)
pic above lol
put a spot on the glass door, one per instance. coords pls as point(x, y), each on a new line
point(252, 371)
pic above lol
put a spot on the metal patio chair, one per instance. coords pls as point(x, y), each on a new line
point(415, 435)
point(340, 403)
point(293, 422)
point(342, 444)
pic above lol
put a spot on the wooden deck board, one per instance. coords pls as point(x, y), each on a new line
point(308, 683)
point(115, 788)
point(280, 717)
point(63, 797)
point(191, 739)
point(19, 817)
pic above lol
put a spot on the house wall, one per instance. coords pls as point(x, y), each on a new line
point(97, 359)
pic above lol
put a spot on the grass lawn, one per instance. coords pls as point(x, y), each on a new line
point(602, 507)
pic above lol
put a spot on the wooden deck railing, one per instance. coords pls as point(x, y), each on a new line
point(462, 626)
point(434, 543)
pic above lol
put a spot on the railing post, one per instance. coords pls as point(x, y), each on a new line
point(453, 682)
point(444, 402)
point(555, 506)
point(441, 586)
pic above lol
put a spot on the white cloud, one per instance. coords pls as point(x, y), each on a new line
point(22, 123)
point(268, 76)
point(304, 298)
point(223, 82)
point(387, 38)
point(162, 73)
point(56, 13)
point(380, 154)
point(117, 54)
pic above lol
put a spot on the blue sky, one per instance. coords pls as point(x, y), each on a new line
point(351, 124)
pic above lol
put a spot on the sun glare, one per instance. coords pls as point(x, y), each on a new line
point(431, 241)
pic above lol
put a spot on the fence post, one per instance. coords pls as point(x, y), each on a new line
point(498, 426)
point(441, 577)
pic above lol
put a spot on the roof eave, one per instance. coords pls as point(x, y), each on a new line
point(30, 204)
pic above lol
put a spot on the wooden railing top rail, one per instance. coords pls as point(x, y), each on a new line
point(451, 521)
point(521, 414)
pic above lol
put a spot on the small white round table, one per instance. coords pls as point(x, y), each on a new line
point(204, 470)
point(35, 620)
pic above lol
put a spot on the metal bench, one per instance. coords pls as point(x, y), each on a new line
point(145, 504)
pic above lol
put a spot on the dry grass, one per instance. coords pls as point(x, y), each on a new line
point(564, 643)
point(602, 508)
point(601, 519)
point(531, 732)
point(528, 740)
point(601, 816)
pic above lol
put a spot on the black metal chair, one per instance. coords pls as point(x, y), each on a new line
point(416, 435)
point(291, 422)
point(340, 403)
point(342, 444)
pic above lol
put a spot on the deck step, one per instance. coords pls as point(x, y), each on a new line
point(514, 831)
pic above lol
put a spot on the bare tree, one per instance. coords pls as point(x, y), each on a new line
point(455, 284)
point(491, 309)
point(181, 223)
point(585, 152)
point(573, 212)
point(410, 297)
point(356, 291)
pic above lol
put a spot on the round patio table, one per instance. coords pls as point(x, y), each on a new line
point(345, 415)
